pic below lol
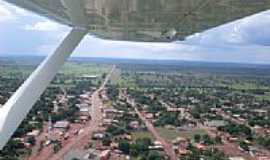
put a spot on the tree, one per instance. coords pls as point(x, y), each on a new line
point(7, 157)
point(244, 146)
point(143, 144)
point(133, 150)
point(154, 155)
point(140, 147)
point(207, 140)
point(57, 146)
point(264, 141)
point(103, 76)
point(168, 118)
point(106, 141)
point(115, 130)
point(124, 146)
point(236, 130)
point(197, 138)
point(31, 140)
point(218, 140)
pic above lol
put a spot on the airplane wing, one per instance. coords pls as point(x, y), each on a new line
point(17, 107)
point(147, 20)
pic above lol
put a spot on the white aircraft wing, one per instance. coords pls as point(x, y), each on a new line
point(147, 20)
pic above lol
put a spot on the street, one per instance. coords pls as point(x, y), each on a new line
point(82, 139)
point(168, 148)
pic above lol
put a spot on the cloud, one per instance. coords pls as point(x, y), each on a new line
point(10, 12)
point(252, 30)
point(46, 25)
point(21, 11)
point(5, 13)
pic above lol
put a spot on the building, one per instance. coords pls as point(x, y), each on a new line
point(107, 122)
point(62, 125)
point(134, 124)
point(200, 146)
point(110, 111)
point(105, 155)
point(236, 158)
point(88, 77)
point(216, 123)
point(33, 133)
point(261, 112)
point(149, 115)
point(84, 111)
point(55, 107)
point(98, 136)
point(84, 96)
point(157, 146)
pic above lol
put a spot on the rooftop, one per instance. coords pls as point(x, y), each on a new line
point(61, 124)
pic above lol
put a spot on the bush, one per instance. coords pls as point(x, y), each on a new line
point(154, 155)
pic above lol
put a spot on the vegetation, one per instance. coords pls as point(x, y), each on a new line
point(237, 130)
point(68, 80)
point(264, 141)
point(211, 154)
point(140, 149)
point(168, 118)
point(179, 97)
point(206, 139)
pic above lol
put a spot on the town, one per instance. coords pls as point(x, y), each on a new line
point(117, 110)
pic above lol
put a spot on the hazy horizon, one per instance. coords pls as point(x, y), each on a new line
point(123, 59)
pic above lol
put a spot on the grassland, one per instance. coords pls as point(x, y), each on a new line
point(80, 69)
point(171, 134)
point(246, 85)
point(142, 134)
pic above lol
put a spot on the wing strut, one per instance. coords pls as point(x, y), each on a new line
point(17, 107)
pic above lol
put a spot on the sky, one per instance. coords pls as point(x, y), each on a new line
point(242, 41)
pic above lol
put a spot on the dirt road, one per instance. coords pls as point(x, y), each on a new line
point(96, 115)
point(83, 138)
point(168, 148)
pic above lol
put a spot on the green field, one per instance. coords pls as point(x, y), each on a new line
point(247, 85)
point(171, 134)
point(141, 134)
point(266, 96)
point(70, 68)
point(125, 81)
point(80, 69)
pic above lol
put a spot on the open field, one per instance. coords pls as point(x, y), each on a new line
point(81, 69)
point(142, 134)
point(172, 134)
